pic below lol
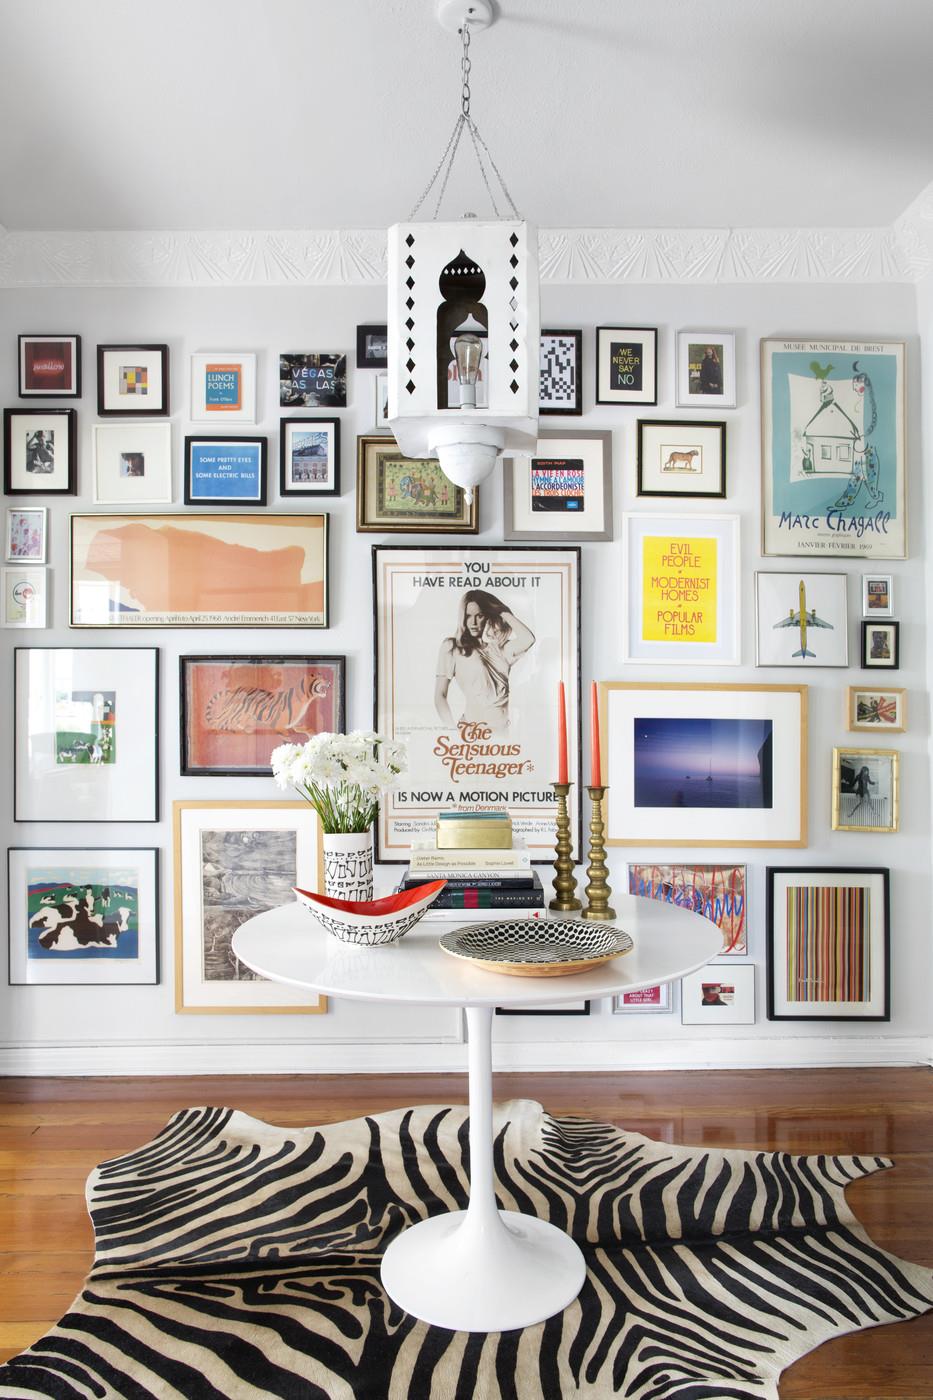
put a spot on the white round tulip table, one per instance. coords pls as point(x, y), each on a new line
point(482, 1269)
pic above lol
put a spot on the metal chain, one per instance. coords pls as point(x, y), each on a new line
point(446, 163)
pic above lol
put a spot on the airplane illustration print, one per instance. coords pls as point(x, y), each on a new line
point(803, 620)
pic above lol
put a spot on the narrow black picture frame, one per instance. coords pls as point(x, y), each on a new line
point(71, 419)
point(552, 1011)
point(148, 411)
point(543, 410)
point(878, 623)
point(214, 501)
point(284, 488)
point(717, 423)
point(30, 394)
point(639, 399)
point(364, 360)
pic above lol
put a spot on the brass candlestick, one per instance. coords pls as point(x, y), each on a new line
point(597, 890)
point(565, 900)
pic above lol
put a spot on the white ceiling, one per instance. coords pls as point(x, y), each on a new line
point(248, 114)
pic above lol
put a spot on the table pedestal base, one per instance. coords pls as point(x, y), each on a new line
point(487, 1275)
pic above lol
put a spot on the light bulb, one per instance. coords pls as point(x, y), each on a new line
point(468, 352)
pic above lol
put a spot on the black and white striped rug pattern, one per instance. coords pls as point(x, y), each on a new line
point(239, 1261)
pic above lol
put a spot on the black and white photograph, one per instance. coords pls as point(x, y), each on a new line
point(40, 451)
point(561, 388)
point(372, 347)
point(866, 789)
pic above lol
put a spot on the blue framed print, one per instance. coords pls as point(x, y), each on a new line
point(225, 471)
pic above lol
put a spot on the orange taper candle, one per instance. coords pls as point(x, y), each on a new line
point(596, 774)
point(562, 774)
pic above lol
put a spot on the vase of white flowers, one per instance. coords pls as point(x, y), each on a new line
point(343, 777)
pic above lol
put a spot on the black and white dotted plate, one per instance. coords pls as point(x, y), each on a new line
point(527, 948)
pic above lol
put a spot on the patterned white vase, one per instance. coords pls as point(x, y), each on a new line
point(348, 864)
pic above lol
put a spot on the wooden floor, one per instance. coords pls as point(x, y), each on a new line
point(53, 1131)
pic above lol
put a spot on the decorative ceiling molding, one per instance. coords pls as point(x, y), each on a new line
point(335, 257)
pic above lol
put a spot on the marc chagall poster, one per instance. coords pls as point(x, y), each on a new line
point(833, 448)
point(470, 647)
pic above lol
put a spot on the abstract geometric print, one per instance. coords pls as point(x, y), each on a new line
point(237, 1261)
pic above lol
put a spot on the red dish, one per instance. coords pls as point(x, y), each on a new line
point(376, 908)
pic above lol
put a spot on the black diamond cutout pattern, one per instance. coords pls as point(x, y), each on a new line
point(409, 344)
point(410, 303)
point(409, 364)
point(513, 261)
point(513, 325)
point(409, 261)
point(410, 283)
point(514, 240)
point(410, 239)
point(410, 386)
point(513, 283)
point(410, 324)
point(513, 365)
point(513, 344)
point(514, 304)
point(514, 387)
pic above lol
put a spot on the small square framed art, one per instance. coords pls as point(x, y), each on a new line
point(802, 620)
point(309, 379)
point(564, 492)
point(372, 347)
point(49, 366)
point(223, 387)
point(132, 464)
point(83, 916)
point(561, 387)
point(27, 534)
point(225, 471)
point(681, 458)
point(401, 495)
point(877, 710)
point(646, 999)
point(309, 457)
point(828, 948)
point(719, 995)
point(705, 369)
point(40, 451)
point(881, 645)
point(626, 365)
point(25, 596)
point(132, 381)
point(877, 595)
point(866, 795)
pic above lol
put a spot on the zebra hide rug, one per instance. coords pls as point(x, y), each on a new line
point(238, 1261)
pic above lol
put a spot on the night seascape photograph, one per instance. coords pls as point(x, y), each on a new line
point(722, 763)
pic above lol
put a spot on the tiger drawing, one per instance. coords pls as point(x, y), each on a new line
point(250, 709)
point(681, 461)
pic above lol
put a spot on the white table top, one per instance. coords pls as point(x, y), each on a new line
point(288, 945)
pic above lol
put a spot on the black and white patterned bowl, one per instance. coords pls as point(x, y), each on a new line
point(526, 948)
point(371, 923)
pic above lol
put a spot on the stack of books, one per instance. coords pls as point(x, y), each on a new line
point(485, 879)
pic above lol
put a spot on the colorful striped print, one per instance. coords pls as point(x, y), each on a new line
point(828, 952)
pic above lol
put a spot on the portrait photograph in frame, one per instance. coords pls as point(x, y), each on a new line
point(833, 456)
point(83, 916)
point(309, 456)
point(25, 596)
point(132, 381)
point(446, 616)
point(236, 709)
point(266, 570)
point(828, 943)
point(49, 366)
point(681, 458)
point(626, 365)
point(27, 530)
point(802, 620)
point(683, 595)
point(563, 492)
point(226, 471)
point(372, 347)
point(40, 455)
point(404, 495)
point(705, 369)
point(234, 860)
point(561, 389)
point(223, 386)
point(132, 464)
point(866, 789)
point(881, 646)
point(718, 892)
point(86, 734)
point(719, 995)
point(311, 379)
point(877, 710)
point(877, 595)
point(729, 761)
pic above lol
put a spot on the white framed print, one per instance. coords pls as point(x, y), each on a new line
point(682, 589)
point(877, 595)
point(223, 387)
point(25, 597)
point(27, 529)
point(83, 916)
point(86, 734)
point(563, 492)
point(720, 994)
point(645, 999)
point(802, 620)
point(705, 369)
point(132, 463)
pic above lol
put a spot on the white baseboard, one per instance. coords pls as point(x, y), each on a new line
point(213, 1058)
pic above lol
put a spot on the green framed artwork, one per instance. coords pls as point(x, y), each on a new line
point(402, 494)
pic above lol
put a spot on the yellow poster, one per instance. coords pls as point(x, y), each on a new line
point(679, 578)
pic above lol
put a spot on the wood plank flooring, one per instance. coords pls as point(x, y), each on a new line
point(52, 1132)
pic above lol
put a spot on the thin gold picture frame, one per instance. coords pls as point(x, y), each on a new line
point(895, 757)
point(852, 724)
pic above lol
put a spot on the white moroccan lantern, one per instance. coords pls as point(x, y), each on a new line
point(463, 327)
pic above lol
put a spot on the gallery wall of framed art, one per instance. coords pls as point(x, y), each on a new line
point(231, 687)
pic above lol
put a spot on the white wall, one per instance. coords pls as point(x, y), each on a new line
point(135, 1030)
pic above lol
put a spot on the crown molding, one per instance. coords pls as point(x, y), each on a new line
point(357, 257)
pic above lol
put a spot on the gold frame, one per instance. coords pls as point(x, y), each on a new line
point(895, 757)
point(855, 728)
point(466, 524)
point(801, 690)
point(180, 1008)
